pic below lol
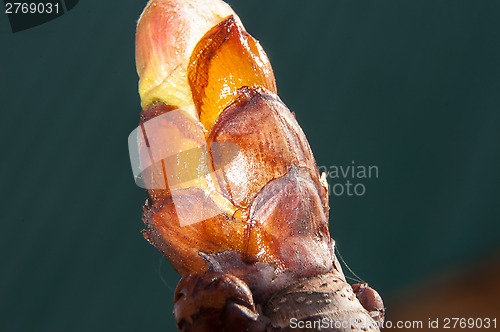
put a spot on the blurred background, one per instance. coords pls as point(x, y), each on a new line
point(411, 87)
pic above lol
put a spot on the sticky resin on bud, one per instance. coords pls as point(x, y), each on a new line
point(166, 35)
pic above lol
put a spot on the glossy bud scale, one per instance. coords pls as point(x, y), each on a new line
point(237, 203)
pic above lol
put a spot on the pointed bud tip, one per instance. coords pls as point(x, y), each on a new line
point(166, 35)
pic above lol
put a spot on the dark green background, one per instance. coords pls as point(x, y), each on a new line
point(410, 86)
